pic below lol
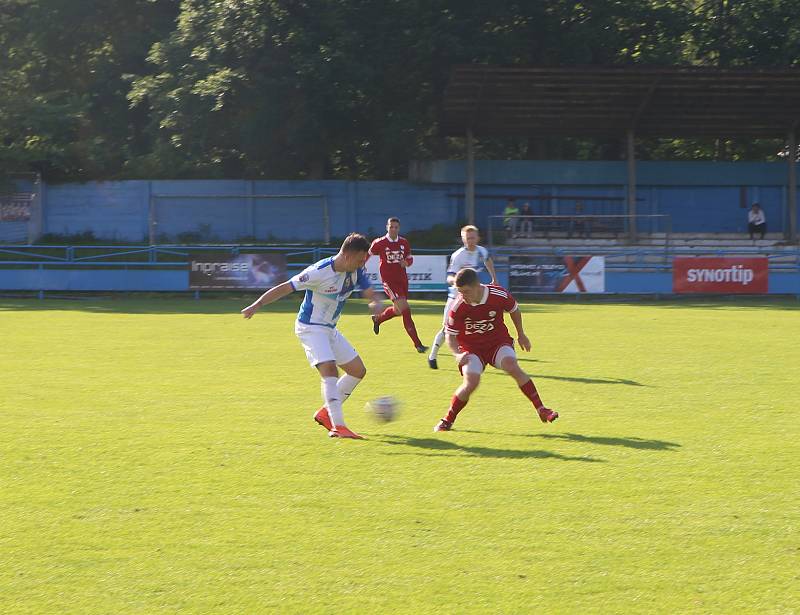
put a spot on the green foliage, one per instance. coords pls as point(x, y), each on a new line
point(345, 89)
point(159, 456)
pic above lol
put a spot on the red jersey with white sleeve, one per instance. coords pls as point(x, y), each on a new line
point(480, 328)
point(392, 253)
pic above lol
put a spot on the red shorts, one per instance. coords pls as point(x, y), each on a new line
point(488, 356)
point(396, 288)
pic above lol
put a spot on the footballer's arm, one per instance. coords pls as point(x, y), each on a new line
point(490, 268)
point(375, 304)
point(452, 343)
point(516, 318)
point(273, 294)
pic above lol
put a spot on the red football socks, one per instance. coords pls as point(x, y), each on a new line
point(530, 392)
point(408, 323)
point(387, 314)
point(456, 404)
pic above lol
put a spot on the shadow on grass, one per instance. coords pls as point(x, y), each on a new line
point(632, 442)
point(639, 443)
point(626, 382)
point(441, 448)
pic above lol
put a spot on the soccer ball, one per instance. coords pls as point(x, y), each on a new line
point(384, 409)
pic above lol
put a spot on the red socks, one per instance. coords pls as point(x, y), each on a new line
point(408, 323)
point(530, 392)
point(456, 404)
point(387, 314)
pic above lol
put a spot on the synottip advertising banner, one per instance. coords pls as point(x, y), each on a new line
point(726, 275)
point(210, 271)
point(426, 274)
point(557, 274)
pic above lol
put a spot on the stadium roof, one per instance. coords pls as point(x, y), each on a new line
point(606, 101)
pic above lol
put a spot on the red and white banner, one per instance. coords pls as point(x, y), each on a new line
point(556, 274)
point(428, 273)
point(720, 275)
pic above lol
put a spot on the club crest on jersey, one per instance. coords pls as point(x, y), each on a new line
point(347, 287)
point(304, 277)
point(492, 313)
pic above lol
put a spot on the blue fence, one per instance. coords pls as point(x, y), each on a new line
point(165, 268)
point(699, 197)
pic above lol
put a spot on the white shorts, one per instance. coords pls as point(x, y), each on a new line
point(324, 344)
point(474, 364)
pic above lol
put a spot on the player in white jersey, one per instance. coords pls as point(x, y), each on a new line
point(328, 283)
point(473, 256)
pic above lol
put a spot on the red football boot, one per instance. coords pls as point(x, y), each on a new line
point(547, 415)
point(340, 431)
point(443, 425)
point(323, 418)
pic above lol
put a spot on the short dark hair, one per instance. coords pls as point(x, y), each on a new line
point(390, 220)
point(355, 242)
point(467, 277)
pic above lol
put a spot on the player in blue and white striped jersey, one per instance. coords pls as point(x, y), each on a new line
point(327, 285)
point(473, 256)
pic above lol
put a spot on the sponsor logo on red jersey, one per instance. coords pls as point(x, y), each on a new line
point(478, 326)
point(393, 256)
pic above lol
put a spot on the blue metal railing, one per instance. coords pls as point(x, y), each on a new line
point(178, 256)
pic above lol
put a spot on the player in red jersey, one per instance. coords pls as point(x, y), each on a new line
point(395, 254)
point(477, 335)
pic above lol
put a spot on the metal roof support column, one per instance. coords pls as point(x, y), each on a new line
point(631, 158)
point(791, 139)
point(469, 193)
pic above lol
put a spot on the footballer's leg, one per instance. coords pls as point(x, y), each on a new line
point(387, 314)
point(401, 307)
point(331, 411)
point(438, 340)
point(471, 370)
point(318, 344)
point(354, 372)
point(507, 361)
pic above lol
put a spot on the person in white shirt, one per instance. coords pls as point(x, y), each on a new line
point(756, 221)
point(327, 285)
point(473, 256)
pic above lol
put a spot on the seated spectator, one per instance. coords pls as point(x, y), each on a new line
point(526, 222)
point(510, 214)
point(579, 225)
point(756, 221)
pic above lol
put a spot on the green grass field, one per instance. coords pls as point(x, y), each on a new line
point(158, 456)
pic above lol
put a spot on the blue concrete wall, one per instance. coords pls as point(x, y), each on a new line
point(119, 210)
point(699, 197)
